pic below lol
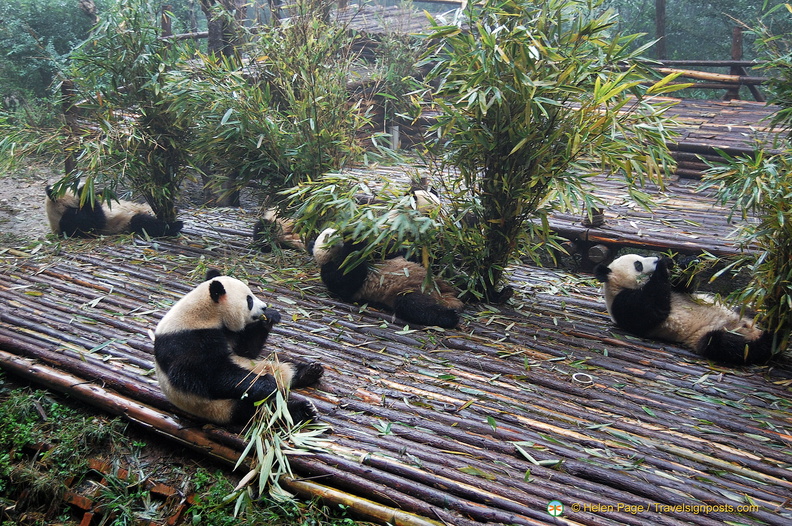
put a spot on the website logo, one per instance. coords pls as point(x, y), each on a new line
point(555, 508)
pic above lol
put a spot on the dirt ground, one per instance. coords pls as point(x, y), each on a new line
point(22, 215)
point(23, 218)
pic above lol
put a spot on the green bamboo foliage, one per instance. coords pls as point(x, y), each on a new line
point(760, 187)
point(533, 96)
point(759, 190)
point(271, 437)
point(389, 224)
point(777, 50)
point(134, 138)
point(281, 114)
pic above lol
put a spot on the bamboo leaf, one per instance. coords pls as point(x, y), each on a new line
point(476, 472)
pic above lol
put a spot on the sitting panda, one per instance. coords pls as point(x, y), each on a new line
point(67, 218)
point(205, 351)
point(641, 299)
point(393, 282)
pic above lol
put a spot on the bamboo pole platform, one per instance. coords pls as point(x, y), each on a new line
point(536, 401)
point(734, 126)
point(683, 218)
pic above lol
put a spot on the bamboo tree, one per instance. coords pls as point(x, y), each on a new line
point(133, 137)
point(534, 96)
point(279, 118)
point(759, 186)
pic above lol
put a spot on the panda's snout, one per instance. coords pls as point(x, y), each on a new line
point(270, 317)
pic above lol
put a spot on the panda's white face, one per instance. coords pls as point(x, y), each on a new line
point(237, 304)
point(325, 246)
point(426, 202)
point(221, 302)
point(630, 271)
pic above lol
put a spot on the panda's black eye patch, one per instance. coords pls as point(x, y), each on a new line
point(250, 302)
point(638, 266)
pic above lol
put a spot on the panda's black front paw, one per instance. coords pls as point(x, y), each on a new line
point(173, 228)
point(306, 374)
point(687, 262)
point(662, 266)
point(301, 411)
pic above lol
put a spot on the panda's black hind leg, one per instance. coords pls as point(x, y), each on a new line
point(301, 410)
point(153, 227)
point(423, 309)
point(306, 374)
point(730, 347)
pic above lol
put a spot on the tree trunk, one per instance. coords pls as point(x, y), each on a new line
point(223, 35)
point(166, 21)
point(660, 29)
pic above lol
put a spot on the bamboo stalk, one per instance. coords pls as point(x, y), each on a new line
point(89, 367)
point(360, 506)
point(114, 404)
point(717, 77)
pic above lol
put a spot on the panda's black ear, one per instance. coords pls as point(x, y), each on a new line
point(216, 290)
point(212, 273)
point(601, 272)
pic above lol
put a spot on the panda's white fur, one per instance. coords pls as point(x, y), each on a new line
point(67, 218)
point(395, 283)
point(426, 202)
point(206, 349)
point(641, 299)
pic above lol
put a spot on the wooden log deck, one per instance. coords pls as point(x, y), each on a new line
point(536, 401)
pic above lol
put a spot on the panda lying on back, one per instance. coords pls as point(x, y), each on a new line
point(392, 282)
point(205, 349)
point(272, 228)
point(641, 299)
point(67, 218)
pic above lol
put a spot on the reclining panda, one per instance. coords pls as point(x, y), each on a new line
point(272, 228)
point(642, 300)
point(69, 217)
point(393, 282)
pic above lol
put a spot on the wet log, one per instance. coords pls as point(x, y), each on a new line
point(115, 404)
point(88, 367)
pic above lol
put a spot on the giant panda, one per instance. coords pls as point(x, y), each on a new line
point(393, 282)
point(272, 228)
point(641, 299)
point(206, 349)
point(67, 218)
